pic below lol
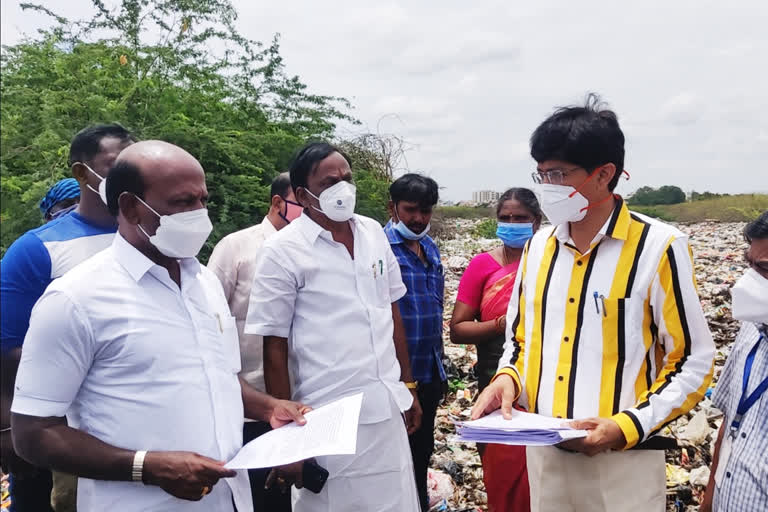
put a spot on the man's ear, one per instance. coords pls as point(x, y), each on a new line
point(80, 173)
point(391, 209)
point(276, 203)
point(606, 174)
point(129, 208)
point(302, 197)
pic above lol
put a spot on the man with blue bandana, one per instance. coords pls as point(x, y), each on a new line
point(61, 199)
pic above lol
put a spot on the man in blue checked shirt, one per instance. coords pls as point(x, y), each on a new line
point(739, 476)
point(412, 199)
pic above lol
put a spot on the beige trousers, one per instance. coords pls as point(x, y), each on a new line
point(628, 481)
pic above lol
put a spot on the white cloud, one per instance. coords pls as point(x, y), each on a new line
point(682, 109)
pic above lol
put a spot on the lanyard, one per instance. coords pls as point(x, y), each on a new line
point(745, 402)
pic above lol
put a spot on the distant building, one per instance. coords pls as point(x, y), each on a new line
point(485, 196)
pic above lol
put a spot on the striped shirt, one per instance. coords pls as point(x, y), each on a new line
point(617, 332)
point(745, 482)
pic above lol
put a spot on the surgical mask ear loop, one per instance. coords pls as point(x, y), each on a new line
point(577, 190)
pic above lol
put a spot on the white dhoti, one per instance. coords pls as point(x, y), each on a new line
point(629, 481)
point(378, 478)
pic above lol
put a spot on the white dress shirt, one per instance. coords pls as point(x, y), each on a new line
point(335, 311)
point(233, 260)
point(140, 364)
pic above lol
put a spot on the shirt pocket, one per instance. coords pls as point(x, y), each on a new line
point(380, 276)
point(614, 313)
point(222, 342)
point(620, 330)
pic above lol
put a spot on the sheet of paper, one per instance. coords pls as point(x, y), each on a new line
point(522, 429)
point(521, 420)
point(330, 430)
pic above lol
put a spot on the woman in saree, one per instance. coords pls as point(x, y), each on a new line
point(479, 318)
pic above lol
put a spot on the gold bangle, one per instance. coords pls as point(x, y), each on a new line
point(498, 324)
point(412, 385)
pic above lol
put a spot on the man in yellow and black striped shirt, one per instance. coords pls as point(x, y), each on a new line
point(605, 326)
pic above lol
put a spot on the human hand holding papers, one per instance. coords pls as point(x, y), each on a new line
point(522, 429)
point(330, 430)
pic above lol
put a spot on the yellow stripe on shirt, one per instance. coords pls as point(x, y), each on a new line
point(614, 336)
point(543, 281)
point(565, 375)
point(518, 326)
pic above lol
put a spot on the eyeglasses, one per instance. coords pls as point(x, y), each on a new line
point(553, 176)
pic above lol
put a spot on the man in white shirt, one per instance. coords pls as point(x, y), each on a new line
point(325, 299)
point(234, 262)
point(137, 347)
point(31, 263)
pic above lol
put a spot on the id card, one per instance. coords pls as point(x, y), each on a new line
point(722, 460)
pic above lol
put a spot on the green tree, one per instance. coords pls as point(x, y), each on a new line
point(703, 196)
point(175, 70)
point(668, 194)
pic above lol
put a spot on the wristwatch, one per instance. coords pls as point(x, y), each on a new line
point(412, 385)
point(137, 470)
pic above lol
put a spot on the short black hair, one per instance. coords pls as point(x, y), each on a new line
point(306, 161)
point(280, 185)
point(757, 229)
point(86, 144)
point(588, 136)
point(123, 177)
point(416, 188)
point(525, 197)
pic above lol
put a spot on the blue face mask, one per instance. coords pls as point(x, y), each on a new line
point(406, 233)
point(514, 234)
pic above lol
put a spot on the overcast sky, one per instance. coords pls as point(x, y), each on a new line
point(465, 83)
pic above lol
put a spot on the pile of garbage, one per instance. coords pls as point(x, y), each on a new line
point(456, 477)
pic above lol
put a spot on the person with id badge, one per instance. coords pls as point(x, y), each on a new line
point(739, 474)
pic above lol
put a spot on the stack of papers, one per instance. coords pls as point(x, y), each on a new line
point(330, 430)
point(523, 429)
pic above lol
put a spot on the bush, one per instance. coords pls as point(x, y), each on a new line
point(736, 208)
point(703, 196)
point(372, 194)
point(465, 212)
point(667, 194)
point(239, 113)
point(655, 212)
point(485, 229)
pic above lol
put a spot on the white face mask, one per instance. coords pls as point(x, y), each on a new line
point(561, 203)
point(749, 298)
point(180, 235)
point(337, 202)
point(102, 184)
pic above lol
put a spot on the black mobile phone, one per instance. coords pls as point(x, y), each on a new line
point(314, 476)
